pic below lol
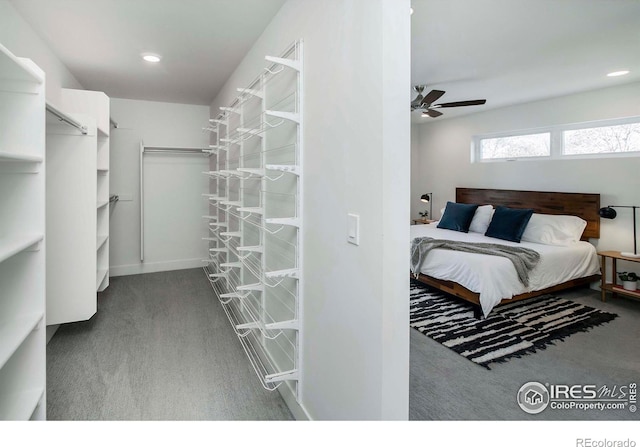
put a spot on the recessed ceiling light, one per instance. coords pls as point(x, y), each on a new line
point(618, 73)
point(150, 57)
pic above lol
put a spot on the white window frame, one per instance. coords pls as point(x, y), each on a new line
point(556, 141)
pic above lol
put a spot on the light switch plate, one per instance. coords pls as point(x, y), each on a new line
point(353, 229)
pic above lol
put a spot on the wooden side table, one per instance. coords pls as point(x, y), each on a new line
point(421, 221)
point(613, 286)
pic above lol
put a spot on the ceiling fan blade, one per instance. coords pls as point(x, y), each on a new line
point(431, 113)
point(475, 102)
point(432, 97)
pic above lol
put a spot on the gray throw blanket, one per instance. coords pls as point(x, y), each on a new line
point(523, 259)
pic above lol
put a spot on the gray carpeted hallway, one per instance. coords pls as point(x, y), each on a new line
point(159, 348)
point(446, 386)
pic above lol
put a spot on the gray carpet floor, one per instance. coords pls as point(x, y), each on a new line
point(159, 348)
point(447, 386)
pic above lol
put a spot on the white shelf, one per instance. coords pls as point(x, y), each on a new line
point(14, 332)
point(293, 169)
point(13, 68)
point(13, 246)
point(253, 172)
point(102, 238)
point(286, 273)
point(234, 204)
point(10, 157)
point(289, 221)
point(20, 406)
point(284, 115)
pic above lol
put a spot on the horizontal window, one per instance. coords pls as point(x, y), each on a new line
point(602, 140)
point(609, 138)
point(533, 145)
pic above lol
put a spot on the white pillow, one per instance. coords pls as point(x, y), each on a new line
point(550, 229)
point(481, 219)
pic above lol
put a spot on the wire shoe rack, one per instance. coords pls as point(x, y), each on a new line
point(255, 218)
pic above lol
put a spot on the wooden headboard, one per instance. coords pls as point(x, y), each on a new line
point(585, 206)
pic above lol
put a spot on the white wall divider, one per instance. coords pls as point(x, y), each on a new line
point(71, 219)
point(22, 239)
point(255, 218)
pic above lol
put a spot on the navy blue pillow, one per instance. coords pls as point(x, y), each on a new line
point(508, 223)
point(457, 216)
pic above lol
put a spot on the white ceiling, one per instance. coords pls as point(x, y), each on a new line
point(505, 51)
point(513, 51)
point(100, 41)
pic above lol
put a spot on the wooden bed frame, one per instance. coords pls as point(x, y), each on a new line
point(585, 206)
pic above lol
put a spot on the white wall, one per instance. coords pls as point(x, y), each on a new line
point(18, 36)
point(174, 185)
point(356, 66)
point(442, 161)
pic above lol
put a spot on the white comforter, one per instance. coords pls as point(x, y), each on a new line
point(495, 277)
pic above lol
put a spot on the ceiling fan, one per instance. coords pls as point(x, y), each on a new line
point(427, 106)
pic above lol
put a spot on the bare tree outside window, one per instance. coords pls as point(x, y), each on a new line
point(534, 145)
point(602, 140)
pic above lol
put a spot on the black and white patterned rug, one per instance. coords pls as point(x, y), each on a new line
point(511, 330)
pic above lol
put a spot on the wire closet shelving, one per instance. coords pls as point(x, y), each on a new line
point(255, 218)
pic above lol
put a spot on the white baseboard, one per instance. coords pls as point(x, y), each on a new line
point(297, 410)
point(152, 267)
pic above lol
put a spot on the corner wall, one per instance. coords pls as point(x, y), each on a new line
point(23, 41)
point(441, 157)
point(356, 136)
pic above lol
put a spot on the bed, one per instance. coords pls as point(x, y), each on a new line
point(488, 281)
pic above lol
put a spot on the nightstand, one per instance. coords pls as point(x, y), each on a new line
point(613, 286)
point(421, 221)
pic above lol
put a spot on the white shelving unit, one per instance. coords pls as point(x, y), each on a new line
point(22, 247)
point(96, 105)
point(77, 205)
point(255, 218)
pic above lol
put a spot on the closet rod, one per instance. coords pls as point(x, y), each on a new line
point(174, 150)
point(66, 119)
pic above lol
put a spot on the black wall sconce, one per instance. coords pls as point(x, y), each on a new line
point(609, 213)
